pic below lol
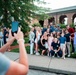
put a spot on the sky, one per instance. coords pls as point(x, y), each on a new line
point(56, 4)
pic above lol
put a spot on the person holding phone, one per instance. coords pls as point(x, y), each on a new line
point(9, 67)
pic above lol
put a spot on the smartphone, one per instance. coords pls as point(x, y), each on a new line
point(15, 26)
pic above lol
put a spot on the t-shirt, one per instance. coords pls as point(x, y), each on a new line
point(67, 36)
point(44, 30)
point(4, 64)
point(62, 40)
point(52, 28)
point(71, 30)
point(55, 45)
point(1, 35)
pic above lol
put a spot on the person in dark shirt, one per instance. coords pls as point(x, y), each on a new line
point(42, 43)
point(44, 30)
point(68, 39)
point(56, 48)
point(35, 33)
point(71, 31)
point(52, 28)
point(5, 35)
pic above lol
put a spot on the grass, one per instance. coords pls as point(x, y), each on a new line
point(15, 50)
point(28, 49)
point(73, 55)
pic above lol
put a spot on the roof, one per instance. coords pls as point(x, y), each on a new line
point(72, 8)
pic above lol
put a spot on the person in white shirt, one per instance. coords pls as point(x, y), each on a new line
point(38, 34)
point(31, 39)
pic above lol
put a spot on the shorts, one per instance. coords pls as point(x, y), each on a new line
point(62, 46)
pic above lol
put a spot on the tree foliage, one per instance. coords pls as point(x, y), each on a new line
point(21, 10)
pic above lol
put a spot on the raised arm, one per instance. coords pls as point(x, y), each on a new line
point(6, 46)
point(22, 67)
point(23, 54)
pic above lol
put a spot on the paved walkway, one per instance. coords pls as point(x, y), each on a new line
point(56, 65)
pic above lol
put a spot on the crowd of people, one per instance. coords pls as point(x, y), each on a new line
point(4, 32)
point(53, 41)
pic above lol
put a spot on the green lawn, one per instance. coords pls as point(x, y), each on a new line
point(73, 55)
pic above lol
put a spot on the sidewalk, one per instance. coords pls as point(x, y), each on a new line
point(56, 65)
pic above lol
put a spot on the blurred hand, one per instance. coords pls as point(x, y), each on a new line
point(19, 35)
point(10, 35)
point(10, 38)
point(55, 51)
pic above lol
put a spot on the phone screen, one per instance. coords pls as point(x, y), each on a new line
point(15, 26)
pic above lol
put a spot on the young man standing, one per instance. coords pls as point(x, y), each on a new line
point(71, 31)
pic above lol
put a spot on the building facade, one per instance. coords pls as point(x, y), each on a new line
point(65, 16)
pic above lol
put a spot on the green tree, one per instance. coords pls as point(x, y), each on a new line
point(21, 10)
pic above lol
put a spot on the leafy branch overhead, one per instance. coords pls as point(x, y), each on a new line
point(21, 10)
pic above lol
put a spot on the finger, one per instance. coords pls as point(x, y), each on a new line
point(15, 34)
point(19, 29)
point(9, 36)
point(10, 31)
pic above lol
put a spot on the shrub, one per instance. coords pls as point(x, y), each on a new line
point(36, 24)
point(72, 25)
point(62, 26)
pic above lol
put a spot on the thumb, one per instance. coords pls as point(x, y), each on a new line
point(15, 34)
